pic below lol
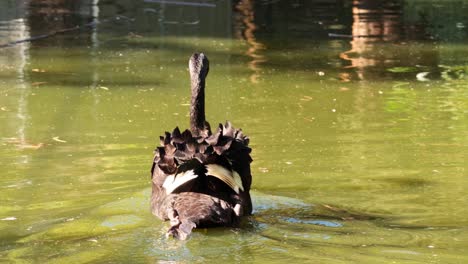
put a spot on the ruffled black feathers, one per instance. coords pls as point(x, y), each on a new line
point(177, 148)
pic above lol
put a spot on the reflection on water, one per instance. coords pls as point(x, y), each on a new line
point(13, 27)
point(373, 21)
point(357, 121)
point(246, 30)
point(374, 24)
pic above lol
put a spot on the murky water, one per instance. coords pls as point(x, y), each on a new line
point(357, 113)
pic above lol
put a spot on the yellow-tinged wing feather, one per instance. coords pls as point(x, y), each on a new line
point(231, 178)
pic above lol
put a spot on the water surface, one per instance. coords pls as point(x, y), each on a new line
point(357, 114)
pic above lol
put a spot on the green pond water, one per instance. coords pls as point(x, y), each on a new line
point(359, 143)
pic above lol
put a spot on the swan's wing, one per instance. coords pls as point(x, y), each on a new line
point(230, 177)
point(174, 181)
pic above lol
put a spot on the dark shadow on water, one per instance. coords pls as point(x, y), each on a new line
point(409, 182)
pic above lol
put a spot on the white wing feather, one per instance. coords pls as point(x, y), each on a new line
point(172, 182)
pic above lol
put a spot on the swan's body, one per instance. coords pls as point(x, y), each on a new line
point(201, 179)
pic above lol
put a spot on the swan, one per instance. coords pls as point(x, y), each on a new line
point(201, 178)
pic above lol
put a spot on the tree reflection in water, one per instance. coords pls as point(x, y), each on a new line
point(245, 29)
point(373, 24)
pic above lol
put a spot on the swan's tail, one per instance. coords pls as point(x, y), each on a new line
point(181, 230)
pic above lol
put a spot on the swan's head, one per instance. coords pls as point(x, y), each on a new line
point(199, 66)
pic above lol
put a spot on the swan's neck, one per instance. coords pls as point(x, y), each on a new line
point(197, 106)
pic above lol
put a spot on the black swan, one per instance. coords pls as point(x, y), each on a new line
point(200, 178)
